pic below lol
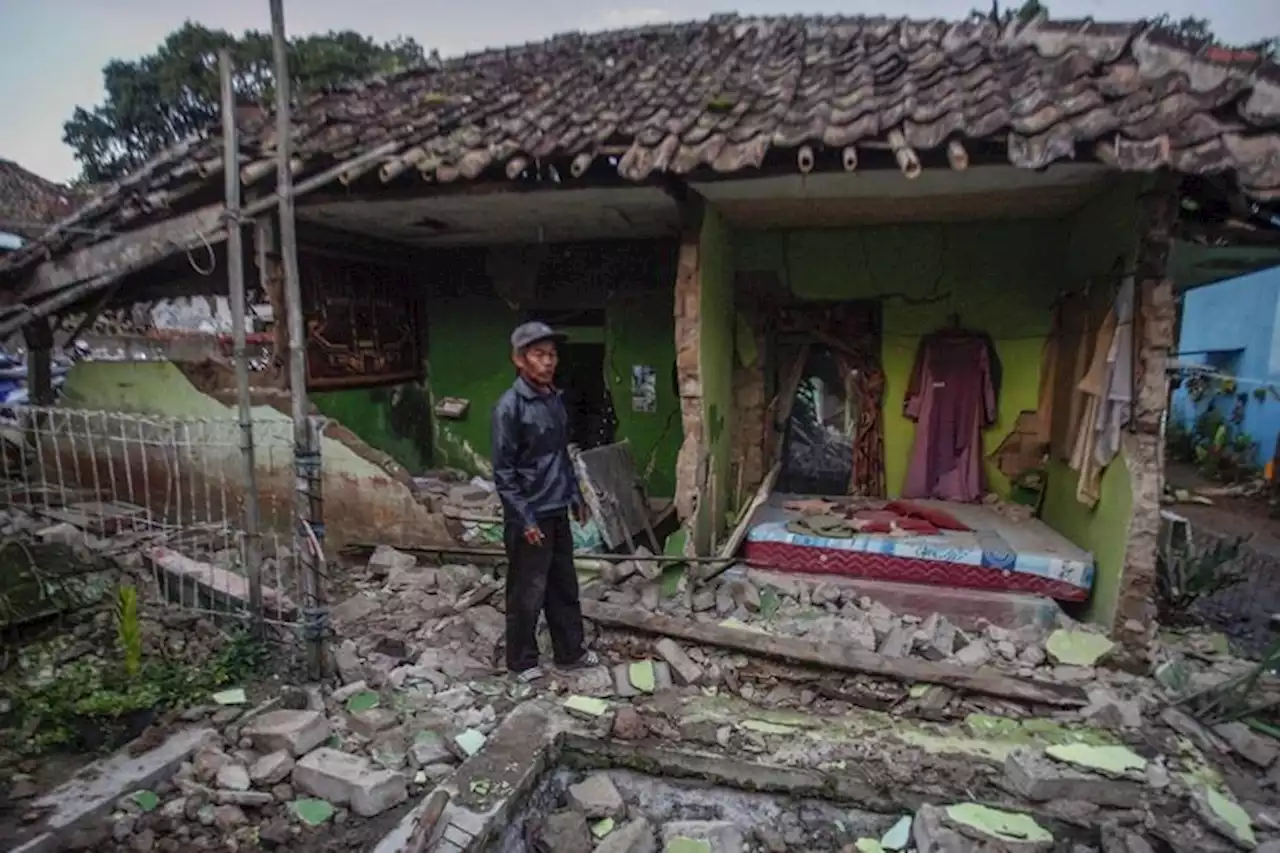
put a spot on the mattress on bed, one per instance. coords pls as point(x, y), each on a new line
point(996, 553)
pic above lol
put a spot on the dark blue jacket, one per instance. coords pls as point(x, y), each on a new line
point(531, 465)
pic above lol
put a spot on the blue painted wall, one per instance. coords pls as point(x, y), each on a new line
point(1233, 327)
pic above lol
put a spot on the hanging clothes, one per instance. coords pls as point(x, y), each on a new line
point(1107, 390)
point(952, 396)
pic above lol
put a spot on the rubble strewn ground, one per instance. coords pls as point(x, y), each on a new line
point(836, 760)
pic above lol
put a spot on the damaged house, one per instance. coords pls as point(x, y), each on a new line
point(807, 266)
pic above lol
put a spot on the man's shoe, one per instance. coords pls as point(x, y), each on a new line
point(588, 659)
point(530, 675)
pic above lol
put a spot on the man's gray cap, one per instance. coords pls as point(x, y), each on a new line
point(528, 334)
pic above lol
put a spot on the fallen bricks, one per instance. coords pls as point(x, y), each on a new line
point(836, 657)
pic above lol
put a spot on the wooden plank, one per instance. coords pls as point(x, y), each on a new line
point(743, 527)
point(836, 657)
point(130, 251)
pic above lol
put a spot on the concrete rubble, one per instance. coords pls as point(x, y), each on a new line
point(419, 690)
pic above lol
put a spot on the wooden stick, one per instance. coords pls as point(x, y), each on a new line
point(835, 657)
point(432, 811)
point(469, 551)
point(740, 530)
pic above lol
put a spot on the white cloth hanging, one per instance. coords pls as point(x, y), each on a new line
point(1107, 387)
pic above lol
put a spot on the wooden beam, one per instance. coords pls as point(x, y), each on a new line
point(132, 251)
point(836, 657)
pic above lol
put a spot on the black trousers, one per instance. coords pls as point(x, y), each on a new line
point(542, 577)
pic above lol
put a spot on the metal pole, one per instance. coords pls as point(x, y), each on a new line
point(252, 543)
point(308, 514)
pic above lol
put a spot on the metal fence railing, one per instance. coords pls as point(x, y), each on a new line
point(170, 490)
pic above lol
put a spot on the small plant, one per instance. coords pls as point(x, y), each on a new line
point(129, 630)
point(1186, 572)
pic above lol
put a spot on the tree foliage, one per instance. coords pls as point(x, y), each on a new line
point(165, 96)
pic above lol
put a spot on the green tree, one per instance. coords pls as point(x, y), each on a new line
point(165, 96)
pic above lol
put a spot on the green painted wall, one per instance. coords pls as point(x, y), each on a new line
point(718, 321)
point(641, 331)
point(395, 419)
point(470, 357)
point(1095, 236)
point(999, 277)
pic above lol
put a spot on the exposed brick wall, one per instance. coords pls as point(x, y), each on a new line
point(1154, 316)
point(687, 317)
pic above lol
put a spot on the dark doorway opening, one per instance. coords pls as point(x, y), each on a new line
point(580, 375)
point(817, 450)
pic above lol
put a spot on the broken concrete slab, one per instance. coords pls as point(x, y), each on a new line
point(717, 836)
point(1033, 775)
point(997, 830)
point(1108, 709)
point(385, 559)
point(1224, 816)
point(1116, 762)
point(92, 792)
point(597, 798)
point(297, 732)
point(967, 609)
point(683, 668)
point(1077, 647)
point(565, 832)
point(347, 779)
point(633, 837)
point(1250, 745)
point(271, 768)
point(898, 641)
point(370, 722)
point(633, 679)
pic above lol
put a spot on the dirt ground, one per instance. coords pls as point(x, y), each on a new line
point(1244, 610)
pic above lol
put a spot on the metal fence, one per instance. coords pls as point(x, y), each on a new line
point(160, 493)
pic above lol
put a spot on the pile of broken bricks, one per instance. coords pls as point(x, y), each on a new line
point(419, 690)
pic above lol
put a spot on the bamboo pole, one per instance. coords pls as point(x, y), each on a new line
point(308, 512)
point(252, 543)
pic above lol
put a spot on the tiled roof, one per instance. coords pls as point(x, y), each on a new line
point(28, 203)
point(720, 94)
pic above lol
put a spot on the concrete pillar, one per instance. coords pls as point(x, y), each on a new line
point(1154, 318)
point(688, 376)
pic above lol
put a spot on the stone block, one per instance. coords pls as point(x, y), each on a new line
point(721, 836)
point(369, 722)
point(1037, 777)
point(633, 837)
point(297, 732)
point(271, 768)
point(597, 798)
point(684, 670)
point(898, 643)
point(565, 832)
point(623, 687)
point(346, 779)
point(385, 558)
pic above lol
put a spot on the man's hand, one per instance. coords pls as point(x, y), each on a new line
point(533, 535)
point(581, 513)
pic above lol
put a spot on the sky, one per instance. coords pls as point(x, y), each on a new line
point(52, 51)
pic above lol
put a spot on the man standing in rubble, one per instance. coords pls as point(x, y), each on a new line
point(539, 489)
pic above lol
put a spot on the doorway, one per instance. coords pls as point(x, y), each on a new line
point(580, 375)
point(818, 442)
